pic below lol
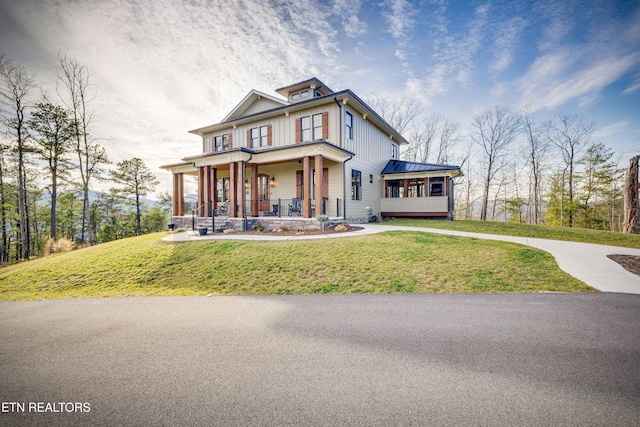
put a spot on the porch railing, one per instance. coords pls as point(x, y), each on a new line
point(289, 207)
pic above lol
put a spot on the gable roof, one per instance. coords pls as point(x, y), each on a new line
point(251, 99)
point(402, 166)
point(243, 114)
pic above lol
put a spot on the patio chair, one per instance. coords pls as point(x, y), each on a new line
point(222, 209)
point(295, 208)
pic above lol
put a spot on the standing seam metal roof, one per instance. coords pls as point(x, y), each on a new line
point(402, 166)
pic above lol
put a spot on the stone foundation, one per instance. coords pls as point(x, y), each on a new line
point(238, 224)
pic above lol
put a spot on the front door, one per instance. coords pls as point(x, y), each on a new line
point(263, 193)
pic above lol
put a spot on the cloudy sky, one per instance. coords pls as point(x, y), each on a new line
point(162, 67)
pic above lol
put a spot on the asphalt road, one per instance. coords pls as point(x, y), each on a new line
point(532, 359)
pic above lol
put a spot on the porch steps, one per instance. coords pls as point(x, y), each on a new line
point(222, 222)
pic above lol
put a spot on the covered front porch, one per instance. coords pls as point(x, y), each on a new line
point(301, 181)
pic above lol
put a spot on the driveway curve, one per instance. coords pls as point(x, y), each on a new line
point(584, 261)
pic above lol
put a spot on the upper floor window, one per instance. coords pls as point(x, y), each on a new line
point(356, 185)
point(395, 151)
point(300, 95)
point(311, 127)
point(221, 142)
point(348, 122)
point(259, 136)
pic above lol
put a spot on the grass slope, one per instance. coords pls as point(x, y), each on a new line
point(526, 230)
point(385, 263)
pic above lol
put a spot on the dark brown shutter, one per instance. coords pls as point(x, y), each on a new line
point(230, 141)
point(298, 130)
point(325, 182)
point(248, 138)
point(325, 125)
point(269, 135)
point(299, 184)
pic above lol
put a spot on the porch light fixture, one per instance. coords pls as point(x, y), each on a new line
point(246, 183)
point(272, 181)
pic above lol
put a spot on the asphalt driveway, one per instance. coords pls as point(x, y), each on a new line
point(532, 359)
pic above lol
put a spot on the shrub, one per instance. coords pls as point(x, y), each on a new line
point(258, 227)
point(342, 227)
point(229, 231)
point(50, 246)
point(283, 228)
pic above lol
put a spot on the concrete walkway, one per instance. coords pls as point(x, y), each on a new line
point(584, 261)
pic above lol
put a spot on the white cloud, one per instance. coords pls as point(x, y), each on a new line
point(549, 84)
point(400, 18)
point(611, 129)
point(631, 89)
point(507, 39)
point(348, 10)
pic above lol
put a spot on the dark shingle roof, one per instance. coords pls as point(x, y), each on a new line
point(401, 166)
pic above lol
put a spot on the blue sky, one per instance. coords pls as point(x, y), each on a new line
point(163, 67)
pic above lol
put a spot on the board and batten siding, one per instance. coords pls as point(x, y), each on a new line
point(372, 149)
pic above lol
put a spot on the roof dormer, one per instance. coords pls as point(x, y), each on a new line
point(305, 90)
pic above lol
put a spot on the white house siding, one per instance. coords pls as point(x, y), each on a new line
point(372, 150)
point(415, 204)
point(260, 105)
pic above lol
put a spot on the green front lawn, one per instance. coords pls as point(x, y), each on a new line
point(525, 230)
point(391, 262)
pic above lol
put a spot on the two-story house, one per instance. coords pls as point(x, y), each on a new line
point(313, 152)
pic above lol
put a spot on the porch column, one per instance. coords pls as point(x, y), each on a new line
point(306, 185)
point(214, 188)
point(233, 199)
point(201, 191)
point(319, 184)
point(426, 187)
point(207, 190)
point(406, 188)
point(178, 196)
point(254, 189)
point(240, 178)
point(181, 194)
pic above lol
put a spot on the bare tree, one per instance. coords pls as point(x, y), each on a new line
point(570, 134)
point(449, 136)
point(74, 79)
point(15, 88)
point(493, 131)
point(432, 139)
point(400, 114)
point(537, 148)
point(422, 138)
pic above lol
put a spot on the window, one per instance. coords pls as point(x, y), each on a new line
point(259, 137)
point(317, 126)
point(415, 188)
point(370, 179)
point(305, 127)
point(395, 151)
point(394, 188)
point(356, 185)
point(311, 127)
point(348, 122)
point(221, 142)
point(299, 95)
point(436, 187)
